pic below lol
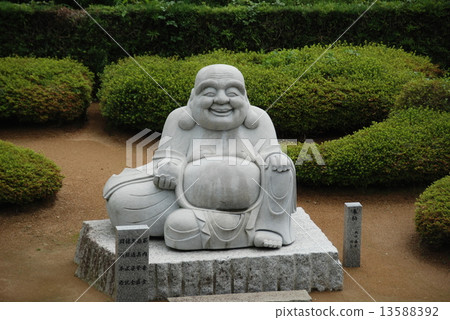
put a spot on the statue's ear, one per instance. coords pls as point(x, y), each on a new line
point(186, 121)
point(191, 97)
point(252, 119)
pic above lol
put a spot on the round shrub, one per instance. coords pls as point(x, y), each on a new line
point(430, 93)
point(25, 175)
point(41, 89)
point(129, 97)
point(411, 146)
point(348, 88)
point(433, 213)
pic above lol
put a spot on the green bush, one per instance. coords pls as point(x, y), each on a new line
point(429, 93)
point(129, 97)
point(174, 28)
point(210, 3)
point(350, 87)
point(25, 175)
point(87, 3)
point(40, 89)
point(71, 3)
point(433, 214)
point(411, 146)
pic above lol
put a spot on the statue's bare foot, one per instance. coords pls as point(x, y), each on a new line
point(268, 239)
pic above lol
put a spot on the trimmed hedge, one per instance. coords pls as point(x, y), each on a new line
point(40, 90)
point(429, 93)
point(348, 88)
point(71, 3)
point(411, 146)
point(433, 214)
point(179, 29)
point(26, 176)
point(210, 3)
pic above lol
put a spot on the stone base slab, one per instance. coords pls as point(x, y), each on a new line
point(272, 296)
point(311, 262)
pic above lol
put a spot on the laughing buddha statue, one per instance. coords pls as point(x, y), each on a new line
point(218, 179)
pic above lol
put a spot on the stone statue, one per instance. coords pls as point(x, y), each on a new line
point(218, 179)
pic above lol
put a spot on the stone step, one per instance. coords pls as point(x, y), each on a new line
point(271, 296)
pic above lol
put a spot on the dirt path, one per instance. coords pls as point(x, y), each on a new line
point(38, 241)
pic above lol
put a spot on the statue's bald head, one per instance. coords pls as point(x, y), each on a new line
point(219, 71)
point(219, 99)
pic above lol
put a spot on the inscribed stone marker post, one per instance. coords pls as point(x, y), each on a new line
point(352, 234)
point(131, 269)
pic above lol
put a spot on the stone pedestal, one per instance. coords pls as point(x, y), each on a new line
point(310, 263)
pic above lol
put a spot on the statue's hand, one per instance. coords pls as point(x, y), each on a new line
point(166, 174)
point(278, 162)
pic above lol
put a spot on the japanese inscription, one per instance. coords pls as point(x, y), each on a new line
point(131, 268)
point(352, 234)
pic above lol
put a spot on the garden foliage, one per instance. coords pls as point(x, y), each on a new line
point(433, 214)
point(425, 92)
point(41, 90)
point(25, 175)
point(210, 3)
point(411, 146)
point(348, 88)
point(175, 28)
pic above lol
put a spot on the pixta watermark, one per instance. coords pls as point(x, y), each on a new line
point(141, 147)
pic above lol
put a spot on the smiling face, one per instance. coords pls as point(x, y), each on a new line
point(219, 100)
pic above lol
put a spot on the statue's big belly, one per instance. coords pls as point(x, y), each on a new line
point(221, 184)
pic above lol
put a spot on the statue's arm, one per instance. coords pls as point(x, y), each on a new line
point(170, 157)
point(265, 131)
point(271, 150)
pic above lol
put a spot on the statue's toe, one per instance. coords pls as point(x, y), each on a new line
point(268, 239)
